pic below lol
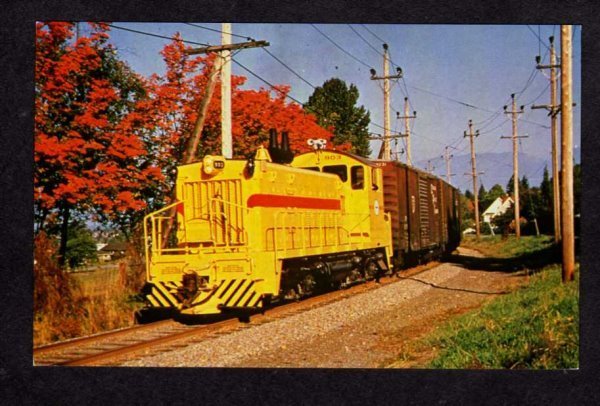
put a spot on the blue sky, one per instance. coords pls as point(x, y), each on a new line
point(480, 65)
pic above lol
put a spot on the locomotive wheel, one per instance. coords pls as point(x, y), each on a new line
point(307, 285)
point(370, 269)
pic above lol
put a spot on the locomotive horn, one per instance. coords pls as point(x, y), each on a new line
point(285, 141)
point(273, 138)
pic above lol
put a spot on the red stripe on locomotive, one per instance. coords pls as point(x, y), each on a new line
point(266, 200)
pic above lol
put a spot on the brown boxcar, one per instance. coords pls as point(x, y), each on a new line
point(424, 213)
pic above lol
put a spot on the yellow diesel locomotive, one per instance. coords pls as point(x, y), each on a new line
point(244, 232)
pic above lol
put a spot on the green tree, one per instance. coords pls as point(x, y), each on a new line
point(81, 245)
point(545, 210)
point(482, 199)
point(335, 105)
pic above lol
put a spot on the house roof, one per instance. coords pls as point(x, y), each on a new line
point(115, 246)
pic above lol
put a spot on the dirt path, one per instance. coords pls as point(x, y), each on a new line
point(381, 338)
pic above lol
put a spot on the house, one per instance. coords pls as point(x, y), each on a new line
point(112, 250)
point(498, 207)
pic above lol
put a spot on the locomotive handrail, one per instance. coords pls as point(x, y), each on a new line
point(154, 235)
point(238, 228)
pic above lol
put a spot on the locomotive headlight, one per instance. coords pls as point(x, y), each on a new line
point(212, 165)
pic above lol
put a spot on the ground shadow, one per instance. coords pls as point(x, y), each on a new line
point(533, 262)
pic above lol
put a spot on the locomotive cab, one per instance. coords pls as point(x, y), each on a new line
point(362, 194)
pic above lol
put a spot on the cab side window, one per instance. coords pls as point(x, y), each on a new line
point(357, 177)
point(339, 170)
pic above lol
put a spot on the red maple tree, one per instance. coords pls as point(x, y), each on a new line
point(177, 95)
point(88, 154)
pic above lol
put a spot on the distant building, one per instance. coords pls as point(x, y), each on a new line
point(111, 251)
point(498, 207)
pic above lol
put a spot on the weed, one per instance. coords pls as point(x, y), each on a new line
point(535, 327)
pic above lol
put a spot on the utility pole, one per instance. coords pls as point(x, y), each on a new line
point(447, 158)
point(553, 109)
point(514, 139)
point(406, 117)
point(379, 137)
point(226, 137)
point(227, 142)
point(567, 198)
point(192, 146)
point(429, 167)
point(385, 150)
point(474, 174)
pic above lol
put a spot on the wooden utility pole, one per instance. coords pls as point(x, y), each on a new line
point(553, 109)
point(227, 142)
point(194, 140)
point(385, 152)
point(406, 118)
point(474, 175)
point(379, 137)
point(514, 112)
point(429, 167)
point(567, 198)
point(199, 125)
point(447, 158)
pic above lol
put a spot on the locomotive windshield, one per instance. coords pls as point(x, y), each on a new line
point(339, 170)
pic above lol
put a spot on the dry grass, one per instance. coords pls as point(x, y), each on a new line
point(71, 305)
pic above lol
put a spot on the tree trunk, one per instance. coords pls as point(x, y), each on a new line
point(64, 234)
point(193, 141)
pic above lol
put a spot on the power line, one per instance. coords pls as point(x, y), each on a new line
point(538, 37)
point(221, 32)
point(157, 35)
point(540, 95)
point(340, 48)
point(498, 126)
point(264, 49)
point(451, 99)
point(266, 82)
point(372, 33)
point(233, 60)
point(288, 68)
point(364, 40)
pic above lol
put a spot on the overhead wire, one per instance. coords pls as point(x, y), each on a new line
point(340, 48)
point(199, 43)
point(263, 48)
point(157, 35)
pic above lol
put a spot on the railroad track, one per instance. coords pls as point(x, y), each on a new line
point(117, 346)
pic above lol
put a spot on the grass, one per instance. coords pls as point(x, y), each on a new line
point(494, 245)
point(68, 305)
point(535, 327)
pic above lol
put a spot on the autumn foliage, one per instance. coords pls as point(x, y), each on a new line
point(107, 142)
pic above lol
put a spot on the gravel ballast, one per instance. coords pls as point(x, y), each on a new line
point(367, 330)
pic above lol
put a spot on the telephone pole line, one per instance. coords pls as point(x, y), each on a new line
point(553, 109)
point(222, 65)
point(514, 112)
point(385, 153)
point(407, 117)
point(226, 138)
point(429, 167)
point(447, 157)
point(567, 198)
point(474, 174)
point(379, 137)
